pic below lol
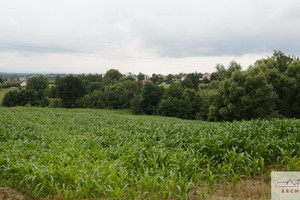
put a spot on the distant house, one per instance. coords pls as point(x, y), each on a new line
point(22, 79)
point(147, 77)
point(207, 75)
point(161, 76)
point(23, 84)
point(147, 81)
point(182, 77)
point(130, 75)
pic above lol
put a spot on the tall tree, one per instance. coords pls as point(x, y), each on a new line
point(112, 76)
point(38, 84)
point(141, 76)
point(282, 60)
point(152, 94)
point(70, 89)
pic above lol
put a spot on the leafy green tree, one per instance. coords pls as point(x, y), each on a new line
point(151, 95)
point(221, 72)
point(190, 93)
point(233, 66)
point(136, 105)
point(175, 90)
point(38, 84)
point(92, 100)
point(10, 98)
point(92, 86)
point(28, 96)
point(154, 78)
point(194, 77)
point(169, 107)
point(290, 91)
point(200, 107)
point(116, 96)
point(247, 95)
point(214, 76)
point(112, 76)
point(91, 77)
point(186, 108)
point(70, 89)
point(141, 76)
point(282, 60)
point(187, 83)
point(170, 79)
point(205, 80)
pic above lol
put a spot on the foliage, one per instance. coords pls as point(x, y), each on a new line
point(9, 99)
point(282, 60)
point(151, 95)
point(116, 96)
point(55, 103)
point(70, 89)
point(141, 76)
point(270, 88)
point(20, 98)
point(112, 76)
point(92, 100)
point(38, 84)
point(136, 105)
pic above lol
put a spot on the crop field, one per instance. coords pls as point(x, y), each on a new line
point(101, 154)
point(2, 93)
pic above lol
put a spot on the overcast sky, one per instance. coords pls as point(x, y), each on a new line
point(157, 36)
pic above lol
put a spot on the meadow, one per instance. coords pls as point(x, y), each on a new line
point(102, 154)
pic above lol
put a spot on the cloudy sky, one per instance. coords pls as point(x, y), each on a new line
point(157, 36)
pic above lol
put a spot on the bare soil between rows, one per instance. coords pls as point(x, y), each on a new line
point(7, 193)
point(248, 189)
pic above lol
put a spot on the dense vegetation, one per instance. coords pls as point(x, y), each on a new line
point(268, 89)
point(84, 153)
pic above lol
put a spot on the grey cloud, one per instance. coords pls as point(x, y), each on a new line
point(169, 28)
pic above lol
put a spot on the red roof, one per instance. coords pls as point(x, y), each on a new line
point(146, 81)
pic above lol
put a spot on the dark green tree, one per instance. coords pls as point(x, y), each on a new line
point(175, 90)
point(282, 60)
point(92, 100)
point(141, 76)
point(10, 98)
point(187, 83)
point(136, 105)
point(38, 84)
point(154, 78)
point(116, 96)
point(152, 95)
point(169, 107)
point(169, 79)
point(70, 89)
point(112, 76)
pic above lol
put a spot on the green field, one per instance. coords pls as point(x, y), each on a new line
point(2, 93)
point(82, 153)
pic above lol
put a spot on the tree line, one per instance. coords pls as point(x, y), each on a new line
point(269, 88)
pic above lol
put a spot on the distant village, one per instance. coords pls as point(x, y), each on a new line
point(19, 80)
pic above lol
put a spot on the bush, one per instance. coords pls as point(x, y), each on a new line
point(92, 100)
point(9, 99)
point(55, 103)
point(136, 105)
